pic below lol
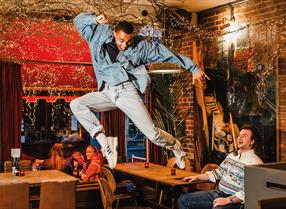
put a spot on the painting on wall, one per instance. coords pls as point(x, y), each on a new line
point(242, 65)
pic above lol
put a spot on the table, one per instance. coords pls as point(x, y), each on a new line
point(34, 178)
point(156, 175)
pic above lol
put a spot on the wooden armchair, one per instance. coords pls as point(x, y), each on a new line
point(106, 173)
point(207, 185)
point(108, 197)
point(171, 163)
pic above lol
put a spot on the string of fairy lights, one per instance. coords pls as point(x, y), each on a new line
point(27, 14)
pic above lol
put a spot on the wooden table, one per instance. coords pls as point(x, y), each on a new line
point(36, 177)
point(156, 175)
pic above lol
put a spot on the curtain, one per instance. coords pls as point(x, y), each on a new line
point(11, 93)
point(114, 125)
point(154, 151)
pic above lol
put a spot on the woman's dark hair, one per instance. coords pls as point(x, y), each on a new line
point(125, 26)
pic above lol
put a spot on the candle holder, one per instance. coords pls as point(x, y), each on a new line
point(22, 172)
point(146, 164)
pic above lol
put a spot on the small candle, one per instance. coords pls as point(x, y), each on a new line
point(22, 173)
point(146, 164)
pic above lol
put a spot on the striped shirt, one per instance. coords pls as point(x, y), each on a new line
point(231, 173)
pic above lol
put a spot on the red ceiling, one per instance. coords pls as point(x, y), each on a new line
point(47, 40)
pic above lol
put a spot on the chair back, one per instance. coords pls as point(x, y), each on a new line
point(14, 196)
point(272, 203)
point(208, 185)
point(171, 163)
point(106, 173)
point(188, 166)
point(57, 195)
point(107, 196)
point(24, 165)
point(209, 167)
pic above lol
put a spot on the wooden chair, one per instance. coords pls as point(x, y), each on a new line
point(24, 165)
point(57, 195)
point(171, 163)
point(107, 196)
point(188, 166)
point(272, 203)
point(106, 173)
point(14, 196)
point(208, 185)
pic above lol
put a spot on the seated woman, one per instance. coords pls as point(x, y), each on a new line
point(56, 161)
point(94, 161)
point(78, 163)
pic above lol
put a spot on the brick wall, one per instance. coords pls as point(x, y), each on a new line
point(254, 13)
point(182, 43)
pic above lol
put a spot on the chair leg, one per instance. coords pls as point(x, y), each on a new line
point(161, 196)
point(117, 203)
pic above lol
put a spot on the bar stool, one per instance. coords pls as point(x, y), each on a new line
point(56, 194)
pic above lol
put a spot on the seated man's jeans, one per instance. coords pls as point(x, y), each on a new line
point(204, 200)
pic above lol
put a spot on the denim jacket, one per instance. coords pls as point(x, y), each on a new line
point(130, 62)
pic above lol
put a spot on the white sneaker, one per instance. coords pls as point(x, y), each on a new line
point(179, 154)
point(111, 151)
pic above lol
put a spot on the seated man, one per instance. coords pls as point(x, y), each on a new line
point(230, 174)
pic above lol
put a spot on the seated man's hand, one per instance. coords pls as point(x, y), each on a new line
point(221, 201)
point(190, 178)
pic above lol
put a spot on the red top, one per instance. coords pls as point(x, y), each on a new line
point(93, 170)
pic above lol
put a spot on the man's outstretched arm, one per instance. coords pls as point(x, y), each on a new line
point(159, 53)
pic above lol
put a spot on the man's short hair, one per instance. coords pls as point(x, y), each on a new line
point(125, 26)
point(255, 134)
